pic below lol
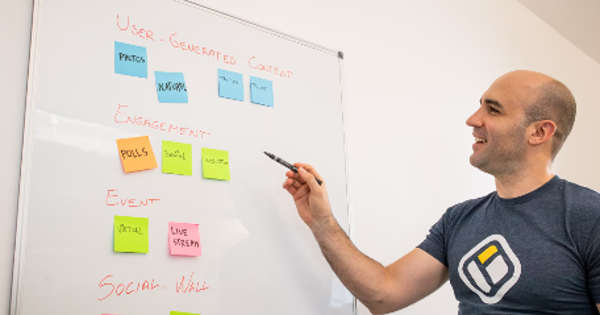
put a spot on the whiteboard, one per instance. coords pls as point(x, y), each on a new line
point(257, 255)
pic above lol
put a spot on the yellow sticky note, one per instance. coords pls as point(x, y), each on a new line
point(215, 164)
point(131, 234)
point(176, 158)
point(136, 154)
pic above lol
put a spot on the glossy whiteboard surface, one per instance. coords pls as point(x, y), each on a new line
point(257, 255)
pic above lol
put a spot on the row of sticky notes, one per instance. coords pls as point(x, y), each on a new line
point(137, 155)
point(131, 236)
point(170, 86)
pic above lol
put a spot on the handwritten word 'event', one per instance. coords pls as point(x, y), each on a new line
point(131, 288)
point(112, 200)
point(180, 44)
point(123, 118)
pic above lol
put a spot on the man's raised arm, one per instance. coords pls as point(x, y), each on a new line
point(381, 289)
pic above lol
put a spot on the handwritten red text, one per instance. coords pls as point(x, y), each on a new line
point(121, 288)
point(254, 64)
point(192, 287)
point(123, 118)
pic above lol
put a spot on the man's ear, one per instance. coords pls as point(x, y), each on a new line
point(541, 131)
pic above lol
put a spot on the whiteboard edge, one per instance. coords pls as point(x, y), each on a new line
point(22, 205)
point(258, 26)
point(347, 166)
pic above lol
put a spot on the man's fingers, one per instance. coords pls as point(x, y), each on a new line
point(309, 179)
point(309, 169)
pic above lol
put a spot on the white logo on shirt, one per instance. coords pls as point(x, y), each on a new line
point(490, 269)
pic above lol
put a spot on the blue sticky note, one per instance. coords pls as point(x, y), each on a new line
point(231, 85)
point(170, 87)
point(261, 91)
point(131, 60)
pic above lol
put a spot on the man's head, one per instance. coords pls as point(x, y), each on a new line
point(524, 116)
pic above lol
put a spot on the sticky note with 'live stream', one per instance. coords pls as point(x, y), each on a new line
point(261, 91)
point(176, 158)
point(136, 154)
point(170, 87)
point(131, 60)
point(231, 85)
point(184, 239)
point(215, 164)
point(131, 234)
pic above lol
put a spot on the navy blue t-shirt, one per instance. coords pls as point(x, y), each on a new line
point(535, 254)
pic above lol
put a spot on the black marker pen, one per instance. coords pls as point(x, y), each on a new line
point(286, 164)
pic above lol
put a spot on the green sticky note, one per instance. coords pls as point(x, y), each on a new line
point(176, 158)
point(131, 234)
point(215, 164)
point(181, 313)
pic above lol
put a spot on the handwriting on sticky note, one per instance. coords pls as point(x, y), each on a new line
point(136, 154)
point(131, 60)
point(170, 87)
point(177, 158)
point(184, 239)
point(231, 85)
point(131, 234)
point(215, 164)
point(181, 313)
point(261, 91)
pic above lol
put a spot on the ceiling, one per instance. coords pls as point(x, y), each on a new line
point(577, 20)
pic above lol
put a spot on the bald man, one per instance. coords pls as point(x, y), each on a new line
point(530, 247)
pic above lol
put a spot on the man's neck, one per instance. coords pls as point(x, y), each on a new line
point(523, 182)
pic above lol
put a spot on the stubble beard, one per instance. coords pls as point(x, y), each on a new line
point(504, 158)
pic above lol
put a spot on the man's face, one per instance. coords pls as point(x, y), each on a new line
point(499, 128)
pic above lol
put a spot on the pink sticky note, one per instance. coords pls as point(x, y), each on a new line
point(184, 239)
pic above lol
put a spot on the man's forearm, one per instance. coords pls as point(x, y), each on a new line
point(363, 276)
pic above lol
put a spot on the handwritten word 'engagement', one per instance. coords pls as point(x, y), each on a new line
point(123, 118)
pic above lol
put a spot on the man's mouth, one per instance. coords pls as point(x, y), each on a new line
point(480, 140)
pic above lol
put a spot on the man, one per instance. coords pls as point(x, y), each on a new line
point(531, 247)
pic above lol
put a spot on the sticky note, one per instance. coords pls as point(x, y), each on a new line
point(131, 234)
point(136, 154)
point(181, 313)
point(215, 164)
point(176, 158)
point(261, 91)
point(231, 85)
point(170, 87)
point(131, 60)
point(184, 239)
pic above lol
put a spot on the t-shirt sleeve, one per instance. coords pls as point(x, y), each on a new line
point(435, 242)
point(593, 262)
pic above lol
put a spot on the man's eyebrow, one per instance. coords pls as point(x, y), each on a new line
point(491, 101)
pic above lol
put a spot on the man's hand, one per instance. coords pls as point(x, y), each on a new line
point(311, 198)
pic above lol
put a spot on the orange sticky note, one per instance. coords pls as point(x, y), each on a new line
point(184, 239)
point(136, 154)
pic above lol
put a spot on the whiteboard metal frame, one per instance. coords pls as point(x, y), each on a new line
point(26, 153)
point(24, 185)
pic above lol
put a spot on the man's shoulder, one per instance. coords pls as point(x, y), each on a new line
point(469, 205)
point(581, 199)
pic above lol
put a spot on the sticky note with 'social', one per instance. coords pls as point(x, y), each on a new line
point(131, 234)
point(184, 239)
point(176, 158)
point(136, 154)
point(215, 164)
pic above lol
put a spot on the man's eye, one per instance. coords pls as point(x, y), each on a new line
point(493, 110)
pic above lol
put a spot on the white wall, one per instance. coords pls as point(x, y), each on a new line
point(414, 72)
